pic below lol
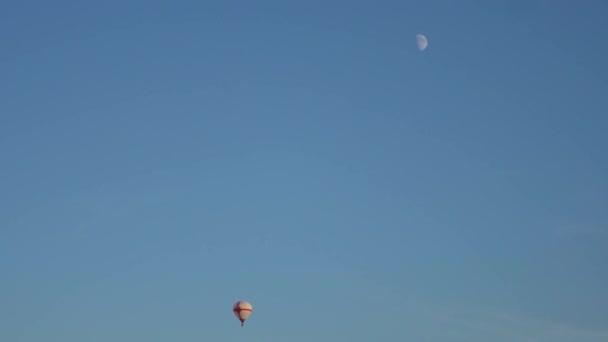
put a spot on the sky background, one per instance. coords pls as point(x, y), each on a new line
point(161, 160)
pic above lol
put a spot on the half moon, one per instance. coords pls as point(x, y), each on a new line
point(421, 41)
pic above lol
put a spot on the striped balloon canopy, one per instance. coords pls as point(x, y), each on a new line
point(242, 310)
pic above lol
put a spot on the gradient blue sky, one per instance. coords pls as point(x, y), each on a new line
point(162, 160)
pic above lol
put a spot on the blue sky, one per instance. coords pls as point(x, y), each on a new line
point(162, 160)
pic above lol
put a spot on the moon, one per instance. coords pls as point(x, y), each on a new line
point(421, 42)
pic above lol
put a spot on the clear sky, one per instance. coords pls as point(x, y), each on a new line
point(161, 160)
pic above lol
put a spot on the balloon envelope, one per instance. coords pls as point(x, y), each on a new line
point(242, 310)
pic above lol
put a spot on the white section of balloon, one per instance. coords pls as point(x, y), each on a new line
point(242, 310)
point(421, 41)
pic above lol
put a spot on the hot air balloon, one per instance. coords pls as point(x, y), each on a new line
point(242, 310)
